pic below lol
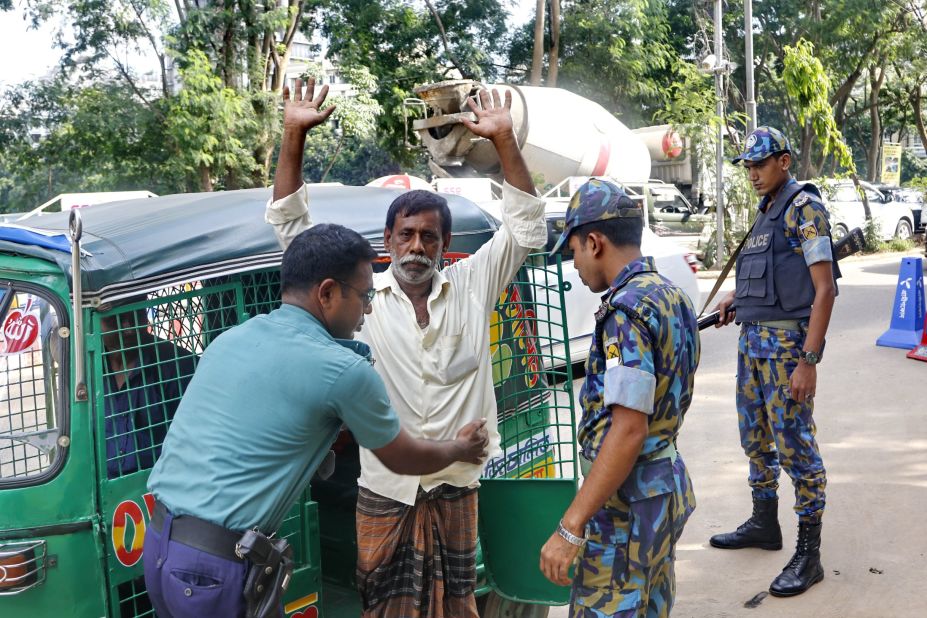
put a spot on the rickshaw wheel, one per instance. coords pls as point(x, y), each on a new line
point(494, 606)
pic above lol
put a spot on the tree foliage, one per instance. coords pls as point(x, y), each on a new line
point(209, 117)
point(807, 82)
point(209, 123)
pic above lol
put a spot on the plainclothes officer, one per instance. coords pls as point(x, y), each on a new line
point(268, 398)
point(786, 285)
point(637, 494)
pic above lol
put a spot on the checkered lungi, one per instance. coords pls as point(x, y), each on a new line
point(418, 561)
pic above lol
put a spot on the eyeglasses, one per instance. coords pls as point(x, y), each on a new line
point(366, 295)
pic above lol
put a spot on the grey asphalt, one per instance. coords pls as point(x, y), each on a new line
point(871, 413)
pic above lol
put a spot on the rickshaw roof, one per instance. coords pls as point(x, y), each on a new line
point(135, 244)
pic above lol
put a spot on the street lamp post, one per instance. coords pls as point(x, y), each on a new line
point(748, 65)
point(719, 69)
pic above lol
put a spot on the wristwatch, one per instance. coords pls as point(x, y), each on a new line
point(569, 537)
point(810, 357)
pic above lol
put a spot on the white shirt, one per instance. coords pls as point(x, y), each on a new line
point(438, 378)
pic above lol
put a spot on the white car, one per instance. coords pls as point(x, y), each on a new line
point(894, 219)
point(672, 262)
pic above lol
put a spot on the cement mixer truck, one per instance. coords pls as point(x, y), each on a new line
point(565, 138)
point(561, 135)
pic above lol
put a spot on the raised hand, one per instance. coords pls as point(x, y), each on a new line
point(304, 112)
point(494, 120)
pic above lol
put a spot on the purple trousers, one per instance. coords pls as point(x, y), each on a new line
point(184, 582)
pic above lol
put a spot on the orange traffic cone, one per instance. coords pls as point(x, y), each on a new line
point(920, 350)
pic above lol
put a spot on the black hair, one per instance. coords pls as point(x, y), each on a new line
point(413, 202)
point(324, 251)
point(621, 232)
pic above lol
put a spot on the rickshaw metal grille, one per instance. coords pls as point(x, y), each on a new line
point(261, 291)
point(29, 392)
point(526, 489)
point(149, 351)
point(160, 338)
point(532, 376)
point(133, 600)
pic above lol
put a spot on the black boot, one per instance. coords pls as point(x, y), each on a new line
point(761, 530)
point(804, 569)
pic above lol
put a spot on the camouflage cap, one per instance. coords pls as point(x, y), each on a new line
point(596, 200)
point(764, 141)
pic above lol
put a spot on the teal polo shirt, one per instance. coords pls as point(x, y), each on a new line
point(264, 406)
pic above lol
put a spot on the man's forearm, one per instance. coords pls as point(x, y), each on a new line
point(514, 167)
point(824, 294)
point(613, 464)
point(408, 455)
point(289, 175)
point(428, 456)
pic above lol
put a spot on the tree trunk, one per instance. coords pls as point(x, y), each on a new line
point(916, 99)
point(842, 95)
point(334, 156)
point(205, 178)
point(228, 47)
point(875, 119)
point(866, 210)
point(807, 141)
point(447, 46)
point(282, 61)
point(553, 58)
point(280, 74)
point(537, 60)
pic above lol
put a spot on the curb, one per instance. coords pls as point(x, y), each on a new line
point(855, 259)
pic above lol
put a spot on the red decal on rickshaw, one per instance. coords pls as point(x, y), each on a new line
point(149, 504)
point(20, 331)
point(128, 511)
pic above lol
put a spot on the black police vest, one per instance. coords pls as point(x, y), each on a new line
point(773, 281)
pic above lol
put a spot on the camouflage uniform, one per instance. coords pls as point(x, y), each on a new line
point(775, 430)
point(649, 333)
point(643, 355)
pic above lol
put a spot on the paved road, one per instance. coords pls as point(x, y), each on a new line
point(872, 428)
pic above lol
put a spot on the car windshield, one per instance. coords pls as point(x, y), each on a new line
point(32, 353)
point(669, 200)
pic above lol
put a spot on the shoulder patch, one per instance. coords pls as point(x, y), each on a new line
point(802, 199)
point(613, 350)
point(808, 230)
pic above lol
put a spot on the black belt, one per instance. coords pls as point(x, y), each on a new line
point(198, 534)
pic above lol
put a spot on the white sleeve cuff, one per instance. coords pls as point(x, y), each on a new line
point(629, 387)
point(289, 215)
point(286, 209)
point(817, 250)
point(523, 215)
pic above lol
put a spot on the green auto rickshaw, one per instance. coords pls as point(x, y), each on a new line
point(105, 312)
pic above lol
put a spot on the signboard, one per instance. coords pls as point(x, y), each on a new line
point(891, 163)
point(474, 189)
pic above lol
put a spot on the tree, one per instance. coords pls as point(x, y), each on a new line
point(537, 57)
point(615, 52)
point(806, 81)
point(247, 44)
point(209, 124)
point(401, 43)
point(553, 59)
point(56, 137)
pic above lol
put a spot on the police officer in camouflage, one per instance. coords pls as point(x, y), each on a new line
point(637, 495)
point(785, 291)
